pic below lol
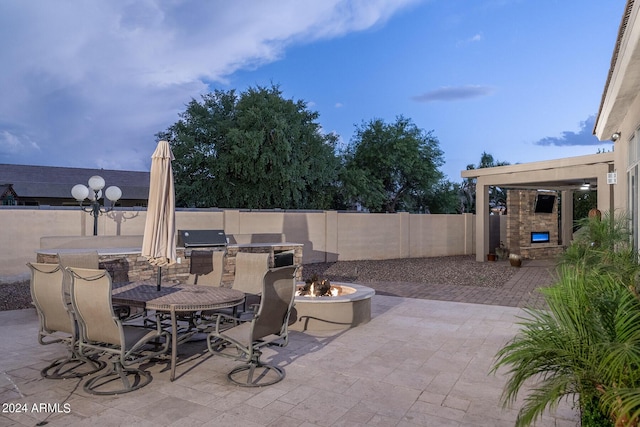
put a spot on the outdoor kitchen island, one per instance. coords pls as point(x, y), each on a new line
point(126, 264)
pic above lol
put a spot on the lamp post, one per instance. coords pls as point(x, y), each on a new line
point(94, 194)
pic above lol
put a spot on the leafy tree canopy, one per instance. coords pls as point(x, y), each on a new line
point(391, 167)
point(252, 150)
point(497, 196)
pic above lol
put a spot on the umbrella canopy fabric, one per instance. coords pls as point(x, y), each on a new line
point(159, 242)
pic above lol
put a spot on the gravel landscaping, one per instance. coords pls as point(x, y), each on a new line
point(450, 270)
point(15, 296)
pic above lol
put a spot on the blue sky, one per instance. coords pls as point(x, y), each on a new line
point(89, 83)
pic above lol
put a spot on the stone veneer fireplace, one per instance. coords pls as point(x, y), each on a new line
point(525, 225)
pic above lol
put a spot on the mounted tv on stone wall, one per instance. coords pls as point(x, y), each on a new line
point(539, 237)
point(544, 203)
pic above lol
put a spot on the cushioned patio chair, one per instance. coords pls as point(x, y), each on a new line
point(269, 326)
point(57, 323)
point(206, 268)
point(102, 330)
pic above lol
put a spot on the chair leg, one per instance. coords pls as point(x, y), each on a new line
point(131, 379)
point(267, 375)
point(243, 375)
point(72, 366)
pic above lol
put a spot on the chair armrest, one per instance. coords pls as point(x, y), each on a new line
point(221, 317)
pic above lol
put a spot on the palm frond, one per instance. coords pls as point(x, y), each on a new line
point(624, 405)
point(588, 338)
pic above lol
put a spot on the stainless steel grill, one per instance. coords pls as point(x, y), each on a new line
point(192, 239)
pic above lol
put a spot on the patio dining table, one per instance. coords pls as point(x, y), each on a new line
point(176, 300)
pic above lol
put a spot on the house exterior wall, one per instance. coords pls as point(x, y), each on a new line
point(326, 235)
point(620, 114)
point(627, 168)
point(629, 134)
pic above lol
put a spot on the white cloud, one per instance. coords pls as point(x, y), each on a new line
point(11, 143)
point(478, 37)
point(92, 82)
point(454, 93)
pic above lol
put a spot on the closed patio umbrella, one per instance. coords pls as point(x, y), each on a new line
point(158, 243)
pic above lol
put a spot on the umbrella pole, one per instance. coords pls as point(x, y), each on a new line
point(159, 278)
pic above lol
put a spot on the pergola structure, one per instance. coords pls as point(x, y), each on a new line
point(562, 175)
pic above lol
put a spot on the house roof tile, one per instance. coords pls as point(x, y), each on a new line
point(56, 182)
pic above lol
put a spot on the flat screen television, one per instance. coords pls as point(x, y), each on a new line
point(539, 237)
point(544, 203)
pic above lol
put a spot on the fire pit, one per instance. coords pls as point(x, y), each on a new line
point(324, 306)
point(316, 287)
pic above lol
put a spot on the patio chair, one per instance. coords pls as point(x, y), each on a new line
point(102, 330)
point(206, 268)
point(269, 326)
point(89, 259)
point(57, 323)
point(250, 270)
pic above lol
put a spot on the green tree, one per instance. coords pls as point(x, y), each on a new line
point(252, 150)
point(391, 167)
point(583, 202)
point(497, 196)
point(444, 199)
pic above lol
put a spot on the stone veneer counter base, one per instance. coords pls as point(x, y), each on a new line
point(126, 264)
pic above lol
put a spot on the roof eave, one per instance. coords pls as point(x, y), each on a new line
point(620, 87)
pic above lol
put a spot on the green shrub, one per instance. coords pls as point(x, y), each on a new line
point(586, 345)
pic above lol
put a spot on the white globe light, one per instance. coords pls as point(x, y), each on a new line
point(113, 193)
point(80, 192)
point(96, 183)
point(92, 195)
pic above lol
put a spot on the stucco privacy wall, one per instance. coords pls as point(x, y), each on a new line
point(430, 235)
point(379, 236)
point(326, 235)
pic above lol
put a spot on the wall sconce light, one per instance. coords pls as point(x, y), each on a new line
point(615, 136)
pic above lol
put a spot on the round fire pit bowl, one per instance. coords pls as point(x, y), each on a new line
point(347, 310)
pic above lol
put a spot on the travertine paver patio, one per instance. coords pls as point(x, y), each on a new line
point(418, 362)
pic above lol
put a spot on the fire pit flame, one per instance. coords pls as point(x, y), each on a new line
point(315, 287)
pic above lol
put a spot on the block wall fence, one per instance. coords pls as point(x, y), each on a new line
point(326, 235)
